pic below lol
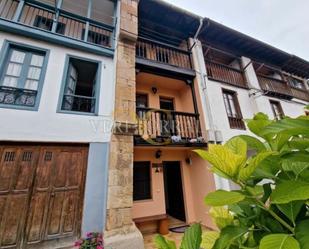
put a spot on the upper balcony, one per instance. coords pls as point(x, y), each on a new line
point(85, 23)
point(164, 57)
point(275, 83)
point(224, 67)
point(166, 112)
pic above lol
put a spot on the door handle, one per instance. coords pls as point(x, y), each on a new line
point(52, 194)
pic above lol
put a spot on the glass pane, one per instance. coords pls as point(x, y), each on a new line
point(31, 84)
point(34, 73)
point(37, 60)
point(17, 56)
point(233, 107)
point(102, 11)
point(78, 7)
point(10, 81)
point(13, 69)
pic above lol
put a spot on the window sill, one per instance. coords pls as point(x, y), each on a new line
point(19, 107)
point(77, 113)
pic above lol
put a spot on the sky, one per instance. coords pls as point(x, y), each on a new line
point(280, 23)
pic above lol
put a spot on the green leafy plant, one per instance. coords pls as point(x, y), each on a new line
point(191, 240)
point(270, 210)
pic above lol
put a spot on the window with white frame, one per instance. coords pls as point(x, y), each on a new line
point(21, 76)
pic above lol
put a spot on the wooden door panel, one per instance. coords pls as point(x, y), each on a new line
point(70, 212)
point(54, 214)
point(7, 168)
point(36, 217)
point(26, 167)
point(13, 220)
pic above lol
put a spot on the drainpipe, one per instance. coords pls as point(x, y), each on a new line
point(219, 182)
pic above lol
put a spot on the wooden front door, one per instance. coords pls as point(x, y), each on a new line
point(41, 193)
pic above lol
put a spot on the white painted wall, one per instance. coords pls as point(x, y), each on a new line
point(46, 125)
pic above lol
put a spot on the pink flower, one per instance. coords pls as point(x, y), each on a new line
point(100, 247)
point(89, 235)
point(78, 243)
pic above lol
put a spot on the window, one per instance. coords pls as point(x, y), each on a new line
point(167, 103)
point(141, 181)
point(296, 83)
point(141, 100)
point(22, 76)
point(233, 110)
point(47, 24)
point(80, 92)
point(277, 109)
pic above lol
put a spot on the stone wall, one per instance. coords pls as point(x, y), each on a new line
point(120, 231)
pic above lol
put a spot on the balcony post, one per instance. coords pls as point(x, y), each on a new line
point(57, 13)
point(87, 23)
point(19, 10)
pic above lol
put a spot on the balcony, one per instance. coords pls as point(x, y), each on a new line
point(61, 22)
point(164, 57)
point(163, 127)
point(275, 87)
point(17, 96)
point(226, 74)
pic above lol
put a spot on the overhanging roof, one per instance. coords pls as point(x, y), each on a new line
point(220, 36)
point(165, 22)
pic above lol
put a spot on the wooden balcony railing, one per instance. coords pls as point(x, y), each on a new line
point(154, 123)
point(300, 93)
point(274, 86)
point(163, 53)
point(61, 22)
point(226, 74)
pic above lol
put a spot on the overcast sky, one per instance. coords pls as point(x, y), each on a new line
point(281, 23)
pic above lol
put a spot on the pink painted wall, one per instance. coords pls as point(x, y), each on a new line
point(167, 87)
point(197, 182)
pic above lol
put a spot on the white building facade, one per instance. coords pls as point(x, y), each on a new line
point(57, 84)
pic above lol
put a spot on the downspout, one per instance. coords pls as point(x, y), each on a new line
point(203, 78)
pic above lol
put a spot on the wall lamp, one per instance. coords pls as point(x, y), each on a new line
point(154, 90)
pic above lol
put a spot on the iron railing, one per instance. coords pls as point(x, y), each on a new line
point(237, 123)
point(164, 123)
point(226, 74)
point(61, 22)
point(17, 96)
point(163, 53)
point(78, 103)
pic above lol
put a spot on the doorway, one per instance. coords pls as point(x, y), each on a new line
point(174, 200)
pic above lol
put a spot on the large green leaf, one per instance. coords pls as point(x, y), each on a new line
point(192, 238)
point(253, 143)
point(287, 126)
point(221, 217)
point(299, 143)
point(247, 171)
point(222, 198)
point(162, 243)
point(228, 236)
point(302, 234)
point(291, 209)
point(209, 239)
point(223, 160)
point(279, 241)
point(290, 191)
point(294, 166)
point(237, 146)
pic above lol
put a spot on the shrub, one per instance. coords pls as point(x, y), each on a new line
point(271, 208)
